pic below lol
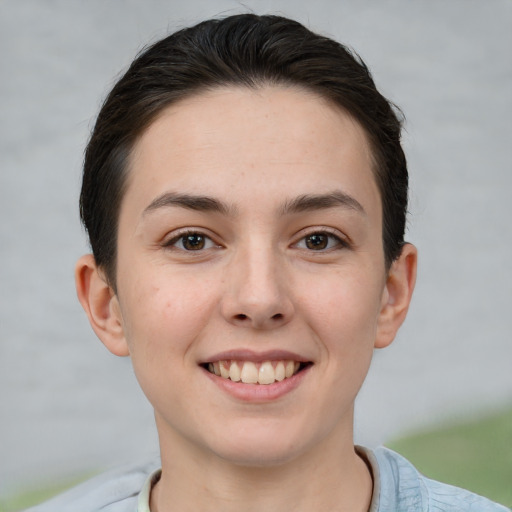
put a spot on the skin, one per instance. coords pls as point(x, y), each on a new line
point(258, 284)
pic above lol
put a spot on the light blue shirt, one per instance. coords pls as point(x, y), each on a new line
point(397, 487)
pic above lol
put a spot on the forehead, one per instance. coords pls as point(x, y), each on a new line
point(231, 140)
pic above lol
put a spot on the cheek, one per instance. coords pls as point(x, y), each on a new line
point(350, 293)
point(164, 315)
point(164, 319)
point(343, 308)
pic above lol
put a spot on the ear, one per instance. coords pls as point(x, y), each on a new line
point(396, 296)
point(101, 305)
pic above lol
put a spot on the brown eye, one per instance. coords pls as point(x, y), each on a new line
point(317, 242)
point(321, 241)
point(191, 242)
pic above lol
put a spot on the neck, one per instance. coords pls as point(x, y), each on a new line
point(332, 477)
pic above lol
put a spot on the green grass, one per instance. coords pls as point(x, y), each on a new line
point(21, 501)
point(476, 455)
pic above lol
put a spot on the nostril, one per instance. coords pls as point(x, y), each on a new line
point(258, 320)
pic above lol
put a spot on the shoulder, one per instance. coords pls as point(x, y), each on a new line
point(114, 491)
point(404, 488)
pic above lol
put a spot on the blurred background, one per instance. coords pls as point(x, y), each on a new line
point(68, 407)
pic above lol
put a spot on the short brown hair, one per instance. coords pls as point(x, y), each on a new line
point(243, 50)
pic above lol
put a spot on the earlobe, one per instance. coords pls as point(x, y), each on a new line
point(397, 295)
point(101, 305)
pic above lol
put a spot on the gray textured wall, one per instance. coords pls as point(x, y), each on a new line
point(68, 405)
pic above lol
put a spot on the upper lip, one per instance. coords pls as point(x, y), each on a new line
point(255, 357)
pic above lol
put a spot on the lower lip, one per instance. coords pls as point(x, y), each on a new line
point(258, 393)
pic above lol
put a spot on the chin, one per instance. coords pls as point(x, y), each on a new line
point(260, 447)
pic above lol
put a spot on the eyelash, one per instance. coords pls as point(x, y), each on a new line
point(324, 235)
point(339, 242)
point(207, 240)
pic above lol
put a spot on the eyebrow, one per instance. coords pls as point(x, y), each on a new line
point(191, 202)
point(303, 203)
point(312, 202)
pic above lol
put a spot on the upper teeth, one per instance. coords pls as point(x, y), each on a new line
point(248, 372)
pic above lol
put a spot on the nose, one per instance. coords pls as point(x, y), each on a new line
point(257, 292)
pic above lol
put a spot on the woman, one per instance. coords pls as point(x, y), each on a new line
point(245, 196)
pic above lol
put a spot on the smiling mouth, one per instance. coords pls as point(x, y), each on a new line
point(248, 372)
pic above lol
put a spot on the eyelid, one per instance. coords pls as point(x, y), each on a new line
point(172, 238)
point(344, 240)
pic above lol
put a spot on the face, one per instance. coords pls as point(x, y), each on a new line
point(251, 281)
